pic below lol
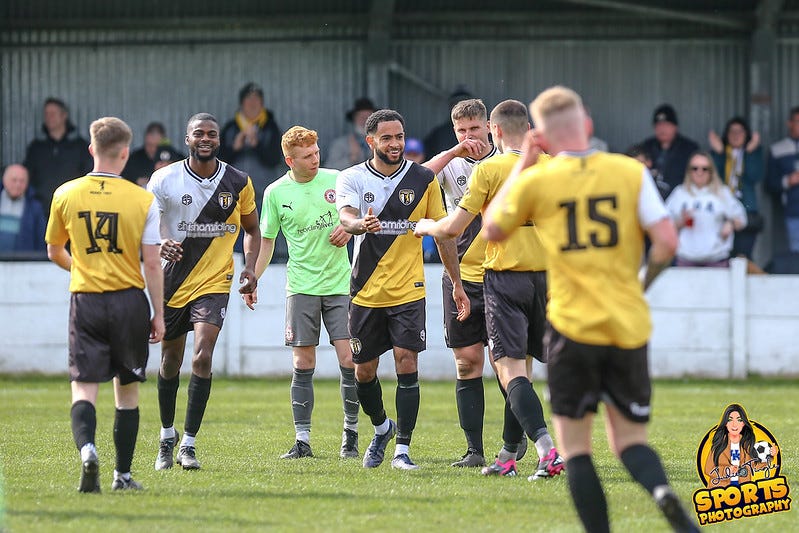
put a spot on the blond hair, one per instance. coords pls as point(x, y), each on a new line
point(297, 136)
point(471, 108)
point(109, 136)
point(511, 116)
point(715, 183)
point(554, 103)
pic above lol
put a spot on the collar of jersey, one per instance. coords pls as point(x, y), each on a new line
point(584, 153)
point(103, 175)
point(382, 176)
point(489, 154)
point(199, 178)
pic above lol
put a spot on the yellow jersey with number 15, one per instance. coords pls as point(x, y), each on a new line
point(590, 209)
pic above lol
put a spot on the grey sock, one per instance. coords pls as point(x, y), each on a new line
point(302, 398)
point(543, 445)
point(349, 398)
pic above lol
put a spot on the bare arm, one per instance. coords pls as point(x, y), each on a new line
point(154, 278)
point(663, 235)
point(264, 257)
point(353, 224)
point(448, 251)
point(465, 148)
point(57, 253)
point(252, 245)
point(448, 227)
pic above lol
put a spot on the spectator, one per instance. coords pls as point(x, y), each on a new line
point(739, 159)
point(783, 177)
point(350, 149)
point(22, 221)
point(58, 155)
point(594, 142)
point(251, 140)
point(669, 150)
point(442, 137)
point(638, 152)
point(706, 214)
point(156, 152)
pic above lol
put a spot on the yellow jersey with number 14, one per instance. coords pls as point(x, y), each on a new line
point(590, 209)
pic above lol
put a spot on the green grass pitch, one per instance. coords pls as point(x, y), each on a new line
point(244, 486)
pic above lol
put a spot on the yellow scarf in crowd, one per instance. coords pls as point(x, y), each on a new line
point(729, 168)
point(243, 122)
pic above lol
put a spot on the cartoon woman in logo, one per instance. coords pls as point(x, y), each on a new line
point(735, 455)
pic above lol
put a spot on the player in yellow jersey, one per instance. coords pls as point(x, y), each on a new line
point(592, 210)
point(515, 296)
point(380, 201)
point(108, 221)
point(204, 203)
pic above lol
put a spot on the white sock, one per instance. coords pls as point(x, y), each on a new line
point(399, 449)
point(125, 476)
point(87, 450)
point(543, 445)
point(383, 428)
point(304, 436)
point(187, 441)
point(351, 427)
point(167, 433)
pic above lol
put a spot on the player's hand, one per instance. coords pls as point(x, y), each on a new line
point(370, 223)
point(469, 148)
point(250, 299)
point(339, 237)
point(248, 281)
point(157, 329)
point(423, 227)
point(171, 250)
point(461, 302)
point(534, 145)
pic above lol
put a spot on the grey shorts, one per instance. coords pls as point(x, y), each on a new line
point(304, 314)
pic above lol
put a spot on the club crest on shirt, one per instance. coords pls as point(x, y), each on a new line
point(406, 196)
point(368, 197)
point(330, 196)
point(186, 199)
point(225, 199)
point(461, 180)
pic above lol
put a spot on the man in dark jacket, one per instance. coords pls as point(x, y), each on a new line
point(60, 154)
point(669, 150)
point(22, 221)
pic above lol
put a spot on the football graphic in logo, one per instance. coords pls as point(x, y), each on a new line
point(225, 200)
point(186, 199)
point(368, 197)
point(461, 180)
point(330, 196)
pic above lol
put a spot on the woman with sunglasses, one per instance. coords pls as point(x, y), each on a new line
point(706, 213)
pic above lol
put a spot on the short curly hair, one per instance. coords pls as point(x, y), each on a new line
point(297, 136)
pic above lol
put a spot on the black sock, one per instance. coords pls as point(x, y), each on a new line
point(470, 398)
point(512, 431)
point(84, 422)
point(371, 397)
point(644, 466)
point(526, 407)
point(167, 398)
point(407, 401)
point(126, 428)
point(199, 391)
point(587, 494)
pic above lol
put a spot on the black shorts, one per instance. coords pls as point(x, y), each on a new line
point(109, 335)
point(459, 334)
point(209, 308)
point(375, 330)
point(580, 375)
point(516, 313)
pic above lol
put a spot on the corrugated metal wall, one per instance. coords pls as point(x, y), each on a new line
point(622, 81)
point(311, 84)
point(786, 91)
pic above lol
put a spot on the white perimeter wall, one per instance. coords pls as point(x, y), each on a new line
point(716, 323)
